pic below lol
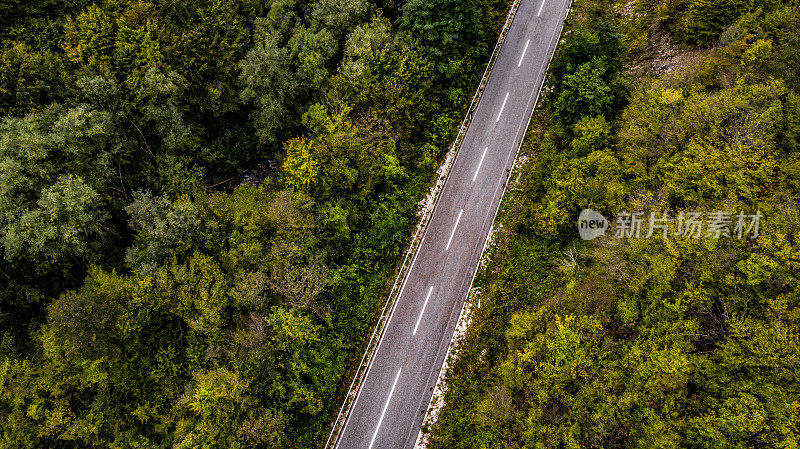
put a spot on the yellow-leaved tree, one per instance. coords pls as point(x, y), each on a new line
point(300, 169)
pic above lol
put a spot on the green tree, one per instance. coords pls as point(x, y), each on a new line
point(55, 172)
point(584, 93)
point(339, 16)
point(66, 223)
point(364, 48)
point(442, 27)
point(270, 86)
point(164, 229)
point(217, 407)
point(89, 39)
point(704, 20)
point(86, 321)
point(29, 79)
point(591, 134)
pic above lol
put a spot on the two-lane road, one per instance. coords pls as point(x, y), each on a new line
point(390, 406)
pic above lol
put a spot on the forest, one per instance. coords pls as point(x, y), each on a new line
point(661, 342)
point(203, 202)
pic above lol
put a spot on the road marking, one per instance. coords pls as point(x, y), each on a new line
point(424, 305)
point(502, 107)
point(383, 413)
point(475, 176)
point(523, 52)
point(454, 230)
point(540, 9)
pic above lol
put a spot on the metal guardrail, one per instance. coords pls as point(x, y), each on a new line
point(377, 333)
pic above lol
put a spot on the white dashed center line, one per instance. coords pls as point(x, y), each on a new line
point(421, 312)
point(502, 107)
point(523, 52)
point(454, 230)
point(475, 176)
point(383, 413)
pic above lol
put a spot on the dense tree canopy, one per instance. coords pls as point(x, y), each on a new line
point(202, 203)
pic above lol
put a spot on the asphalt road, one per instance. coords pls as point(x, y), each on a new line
point(397, 389)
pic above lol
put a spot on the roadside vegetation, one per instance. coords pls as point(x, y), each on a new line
point(655, 106)
point(202, 204)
